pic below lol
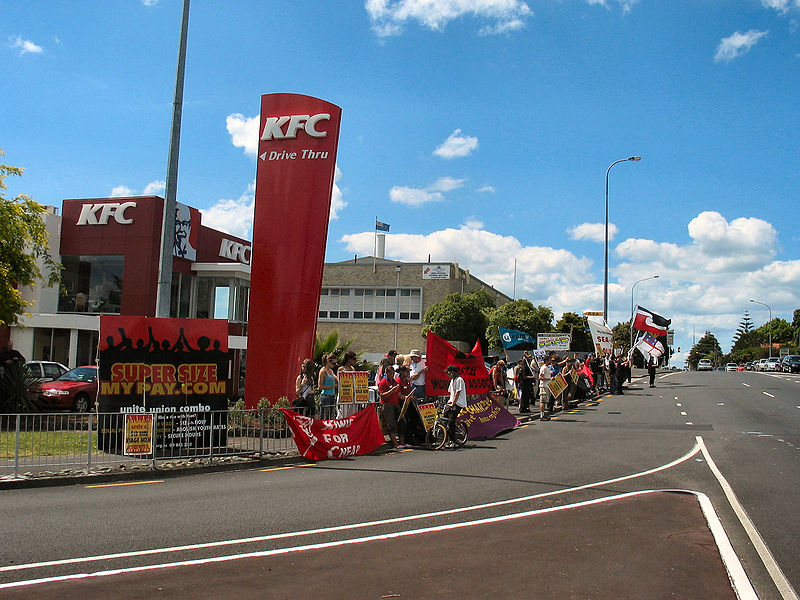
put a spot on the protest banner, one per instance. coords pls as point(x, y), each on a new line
point(553, 341)
point(440, 354)
point(486, 417)
point(321, 439)
point(602, 337)
point(427, 412)
point(353, 387)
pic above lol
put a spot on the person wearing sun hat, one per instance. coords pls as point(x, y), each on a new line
point(418, 368)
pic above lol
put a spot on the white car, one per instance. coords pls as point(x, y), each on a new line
point(704, 365)
point(45, 370)
point(732, 367)
point(773, 364)
point(761, 365)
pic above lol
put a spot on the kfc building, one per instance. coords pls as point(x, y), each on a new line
point(110, 249)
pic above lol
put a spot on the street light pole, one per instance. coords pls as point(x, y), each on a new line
point(605, 262)
point(770, 324)
point(632, 288)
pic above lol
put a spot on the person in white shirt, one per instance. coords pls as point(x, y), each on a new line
point(418, 370)
point(458, 398)
point(545, 377)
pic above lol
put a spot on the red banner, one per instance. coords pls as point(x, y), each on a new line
point(441, 354)
point(298, 137)
point(320, 439)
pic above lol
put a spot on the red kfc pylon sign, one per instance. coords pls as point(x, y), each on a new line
point(298, 138)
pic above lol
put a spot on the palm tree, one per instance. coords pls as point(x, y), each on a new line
point(333, 344)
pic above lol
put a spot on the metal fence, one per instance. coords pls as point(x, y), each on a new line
point(45, 444)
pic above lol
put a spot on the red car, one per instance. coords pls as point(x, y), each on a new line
point(75, 390)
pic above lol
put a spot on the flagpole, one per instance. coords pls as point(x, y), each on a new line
point(375, 247)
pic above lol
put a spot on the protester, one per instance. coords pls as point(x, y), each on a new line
point(525, 381)
point(304, 389)
point(652, 364)
point(348, 362)
point(327, 382)
point(545, 377)
point(497, 376)
point(417, 374)
point(389, 392)
point(388, 358)
point(458, 398)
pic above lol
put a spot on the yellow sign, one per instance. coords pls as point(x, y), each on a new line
point(592, 313)
point(427, 412)
point(138, 436)
point(557, 385)
point(353, 387)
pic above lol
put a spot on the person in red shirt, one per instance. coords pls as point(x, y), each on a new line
point(389, 391)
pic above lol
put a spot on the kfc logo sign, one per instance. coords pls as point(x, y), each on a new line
point(99, 214)
point(285, 128)
point(235, 251)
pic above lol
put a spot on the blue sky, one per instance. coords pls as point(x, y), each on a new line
point(480, 130)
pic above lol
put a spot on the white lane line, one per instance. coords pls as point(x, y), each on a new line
point(689, 423)
point(768, 394)
point(291, 534)
point(746, 384)
point(737, 575)
point(774, 570)
point(678, 404)
point(683, 414)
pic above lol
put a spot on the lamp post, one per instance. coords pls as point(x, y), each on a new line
point(605, 263)
point(770, 324)
point(632, 288)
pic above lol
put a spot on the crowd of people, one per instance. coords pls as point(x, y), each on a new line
point(524, 384)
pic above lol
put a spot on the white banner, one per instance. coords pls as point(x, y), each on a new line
point(602, 337)
point(552, 341)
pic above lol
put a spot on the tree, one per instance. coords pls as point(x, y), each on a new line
point(578, 326)
point(796, 326)
point(622, 335)
point(746, 326)
point(706, 347)
point(23, 241)
point(520, 315)
point(460, 317)
point(781, 331)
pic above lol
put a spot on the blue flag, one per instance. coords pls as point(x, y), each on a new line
point(379, 226)
point(510, 337)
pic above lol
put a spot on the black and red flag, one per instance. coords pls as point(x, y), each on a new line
point(646, 320)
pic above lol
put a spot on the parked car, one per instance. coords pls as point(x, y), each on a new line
point(740, 367)
point(791, 364)
point(704, 364)
point(732, 367)
point(45, 370)
point(760, 364)
point(75, 390)
point(773, 364)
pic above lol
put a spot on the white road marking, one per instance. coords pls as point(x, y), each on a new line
point(291, 534)
point(768, 394)
point(783, 585)
point(736, 573)
point(746, 384)
point(683, 414)
point(678, 404)
point(689, 423)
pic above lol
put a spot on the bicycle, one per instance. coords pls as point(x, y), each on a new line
point(439, 433)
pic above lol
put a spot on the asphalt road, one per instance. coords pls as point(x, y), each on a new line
point(648, 439)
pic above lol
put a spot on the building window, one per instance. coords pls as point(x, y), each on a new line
point(371, 304)
point(91, 284)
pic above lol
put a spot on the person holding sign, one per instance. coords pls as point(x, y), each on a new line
point(418, 370)
point(545, 377)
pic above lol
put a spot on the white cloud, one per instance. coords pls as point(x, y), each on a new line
point(625, 4)
point(737, 44)
point(782, 6)
point(121, 190)
point(456, 146)
point(703, 284)
point(25, 46)
point(389, 16)
point(592, 232)
point(488, 189)
point(244, 132)
point(419, 196)
point(149, 3)
point(154, 188)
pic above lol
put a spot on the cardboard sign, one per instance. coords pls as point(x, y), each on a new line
point(558, 385)
point(138, 435)
point(427, 413)
point(353, 387)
